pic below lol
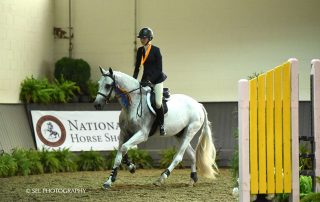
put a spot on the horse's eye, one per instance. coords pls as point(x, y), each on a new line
point(107, 86)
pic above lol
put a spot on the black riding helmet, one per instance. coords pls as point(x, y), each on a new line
point(146, 33)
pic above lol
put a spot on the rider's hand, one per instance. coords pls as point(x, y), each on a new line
point(146, 83)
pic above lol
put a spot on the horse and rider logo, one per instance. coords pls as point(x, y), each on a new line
point(51, 131)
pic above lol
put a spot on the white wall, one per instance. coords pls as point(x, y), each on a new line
point(104, 33)
point(207, 45)
point(26, 44)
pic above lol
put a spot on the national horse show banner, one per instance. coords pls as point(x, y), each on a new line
point(76, 130)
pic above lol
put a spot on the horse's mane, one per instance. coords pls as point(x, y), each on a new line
point(125, 84)
point(125, 77)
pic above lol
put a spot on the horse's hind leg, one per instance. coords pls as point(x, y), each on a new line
point(187, 136)
point(192, 155)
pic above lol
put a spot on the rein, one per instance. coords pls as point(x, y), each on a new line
point(121, 92)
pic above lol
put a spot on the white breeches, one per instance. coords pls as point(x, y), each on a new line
point(158, 90)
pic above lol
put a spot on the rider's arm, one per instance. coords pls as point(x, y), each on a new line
point(138, 62)
point(158, 64)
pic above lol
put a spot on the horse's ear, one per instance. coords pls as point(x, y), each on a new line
point(111, 71)
point(102, 70)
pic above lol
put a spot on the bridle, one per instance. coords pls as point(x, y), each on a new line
point(119, 93)
point(113, 86)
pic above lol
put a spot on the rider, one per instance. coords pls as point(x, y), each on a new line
point(150, 60)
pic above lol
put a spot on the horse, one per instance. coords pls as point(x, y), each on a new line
point(185, 117)
point(53, 134)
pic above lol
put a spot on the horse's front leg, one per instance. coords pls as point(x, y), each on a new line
point(130, 165)
point(137, 138)
point(112, 178)
point(125, 159)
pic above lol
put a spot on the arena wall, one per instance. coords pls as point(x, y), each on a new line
point(26, 44)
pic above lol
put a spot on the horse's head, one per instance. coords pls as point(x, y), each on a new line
point(106, 88)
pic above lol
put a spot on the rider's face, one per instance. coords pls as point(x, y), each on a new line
point(144, 41)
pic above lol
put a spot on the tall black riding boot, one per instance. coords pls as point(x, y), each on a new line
point(160, 116)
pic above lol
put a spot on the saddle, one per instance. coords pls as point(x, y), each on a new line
point(151, 102)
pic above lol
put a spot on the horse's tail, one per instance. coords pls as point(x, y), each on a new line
point(205, 151)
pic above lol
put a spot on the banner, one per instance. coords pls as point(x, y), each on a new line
point(76, 130)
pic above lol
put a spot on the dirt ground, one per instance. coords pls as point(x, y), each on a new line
point(86, 186)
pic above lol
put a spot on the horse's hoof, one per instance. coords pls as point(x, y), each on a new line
point(106, 186)
point(132, 168)
point(158, 183)
point(132, 171)
point(192, 183)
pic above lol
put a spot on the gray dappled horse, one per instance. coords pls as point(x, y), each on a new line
point(185, 117)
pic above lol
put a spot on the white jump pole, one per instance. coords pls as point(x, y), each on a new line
point(295, 194)
point(243, 110)
point(315, 71)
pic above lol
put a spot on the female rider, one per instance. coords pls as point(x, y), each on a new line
point(150, 60)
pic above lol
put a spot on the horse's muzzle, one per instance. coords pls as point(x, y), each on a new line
point(98, 106)
point(100, 102)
